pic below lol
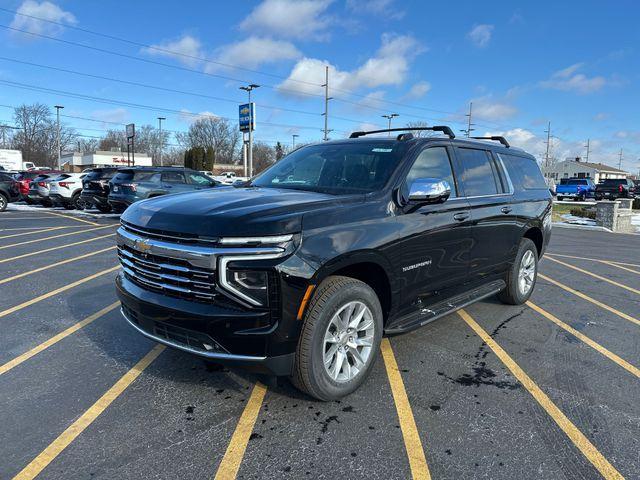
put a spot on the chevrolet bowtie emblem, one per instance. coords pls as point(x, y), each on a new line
point(142, 245)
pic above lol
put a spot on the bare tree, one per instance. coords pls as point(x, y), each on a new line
point(216, 133)
point(113, 140)
point(86, 145)
point(263, 156)
point(421, 133)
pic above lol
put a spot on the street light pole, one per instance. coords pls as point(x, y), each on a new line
point(58, 107)
point(389, 117)
point(293, 142)
point(160, 119)
point(248, 89)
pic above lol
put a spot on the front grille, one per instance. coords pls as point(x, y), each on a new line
point(171, 276)
point(179, 336)
point(181, 238)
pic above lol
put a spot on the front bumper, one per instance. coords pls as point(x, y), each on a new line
point(94, 199)
point(225, 335)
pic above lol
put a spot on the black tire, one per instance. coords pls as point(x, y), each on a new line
point(4, 201)
point(512, 294)
point(309, 373)
point(76, 202)
point(559, 198)
point(104, 208)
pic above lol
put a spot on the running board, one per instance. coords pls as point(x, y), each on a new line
point(428, 315)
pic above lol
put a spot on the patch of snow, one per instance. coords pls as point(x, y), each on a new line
point(94, 213)
point(575, 220)
point(635, 220)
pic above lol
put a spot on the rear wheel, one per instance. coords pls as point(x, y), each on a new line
point(340, 339)
point(104, 208)
point(3, 202)
point(521, 277)
point(77, 202)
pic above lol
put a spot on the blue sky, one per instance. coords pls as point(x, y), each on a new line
point(576, 64)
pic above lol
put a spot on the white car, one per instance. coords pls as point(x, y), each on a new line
point(65, 190)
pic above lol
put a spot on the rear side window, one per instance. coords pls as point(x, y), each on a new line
point(525, 172)
point(615, 181)
point(480, 174)
point(431, 163)
point(173, 177)
point(153, 177)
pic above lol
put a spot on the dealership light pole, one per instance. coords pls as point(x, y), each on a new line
point(389, 117)
point(58, 107)
point(161, 140)
point(293, 141)
point(248, 89)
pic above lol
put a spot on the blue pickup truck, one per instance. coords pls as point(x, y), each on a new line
point(575, 188)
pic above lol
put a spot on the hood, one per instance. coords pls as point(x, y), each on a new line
point(231, 211)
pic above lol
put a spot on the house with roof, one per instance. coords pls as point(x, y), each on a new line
point(576, 168)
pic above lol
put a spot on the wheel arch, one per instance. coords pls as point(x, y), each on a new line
point(534, 233)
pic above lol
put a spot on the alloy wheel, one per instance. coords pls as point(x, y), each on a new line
point(527, 272)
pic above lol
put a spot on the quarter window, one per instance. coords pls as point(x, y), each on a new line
point(173, 177)
point(528, 174)
point(432, 162)
point(479, 173)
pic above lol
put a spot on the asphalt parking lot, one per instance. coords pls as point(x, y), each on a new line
point(546, 390)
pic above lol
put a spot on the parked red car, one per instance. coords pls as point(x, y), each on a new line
point(24, 178)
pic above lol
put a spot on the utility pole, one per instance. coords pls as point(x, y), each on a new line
point(588, 150)
point(58, 107)
point(468, 115)
point(293, 141)
point(326, 103)
point(620, 160)
point(389, 117)
point(546, 155)
point(160, 139)
point(248, 89)
point(4, 133)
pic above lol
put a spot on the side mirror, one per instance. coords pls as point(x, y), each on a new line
point(429, 190)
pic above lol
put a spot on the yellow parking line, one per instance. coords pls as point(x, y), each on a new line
point(9, 217)
point(56, 338)
point(589, 299)
point(57, 264)
point(596, 346)
point(71, 217)
point(230, 464)
point(28, 303)
point(587, 272)
point(412, 443)
point(54, 449)
point(36, 228)
point(56, 236)
point(47, 229)
point(592, 259)
point(576, 436)
point(621, 267)
point(17, 257)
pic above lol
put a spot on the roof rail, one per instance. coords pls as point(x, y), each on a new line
point(495, 138)
point(437, 128)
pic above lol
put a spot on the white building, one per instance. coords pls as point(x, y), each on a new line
point(76, 162)
point(575, 168)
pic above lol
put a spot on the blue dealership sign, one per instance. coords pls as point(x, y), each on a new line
point(247, 116)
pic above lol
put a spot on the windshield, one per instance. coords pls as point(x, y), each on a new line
point(335, 168)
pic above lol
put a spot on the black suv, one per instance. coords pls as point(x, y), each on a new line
point(301, 271)
point(9, 190)
point(95, 188)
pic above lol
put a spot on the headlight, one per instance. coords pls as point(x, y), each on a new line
point(251, 284)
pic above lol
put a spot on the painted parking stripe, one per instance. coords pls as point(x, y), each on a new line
point(72, 217)
point(587, 272)
point(28, 303)
point(410, 435)
point(592, 259)
point(589, 299)
point(9, 217)
point(55, 339)
point(54, 449)
point(581, 442)
point(51, 249)
point(36, 228)
point(47, 229)
point(230, 464)
point(56, 236)
point(596, 346)
point(57, 264)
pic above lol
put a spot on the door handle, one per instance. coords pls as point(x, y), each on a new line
point(461, 216)
point(506, 209)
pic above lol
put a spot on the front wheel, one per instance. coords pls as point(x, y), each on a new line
point(340, 339)
point(3, 202)
point(521, 277)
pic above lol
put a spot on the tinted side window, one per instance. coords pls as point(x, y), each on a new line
point(479, 175)
point(432, 162)
point(525, 172)
point(153, 177)
point(173, 177)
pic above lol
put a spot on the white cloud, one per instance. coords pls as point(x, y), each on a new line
point(253, 52)
point(45, 10)
point(186, 49)
point(418, 90)
point(480, 35)
point(600, 116)
point(631, 135)
point(187, 116)
point(383, 8)
point(389, 66)
point(568, 80)
point(303, 19)
point(488, 110)
point(118, 115)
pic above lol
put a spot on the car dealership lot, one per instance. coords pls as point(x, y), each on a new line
point(546, 390)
